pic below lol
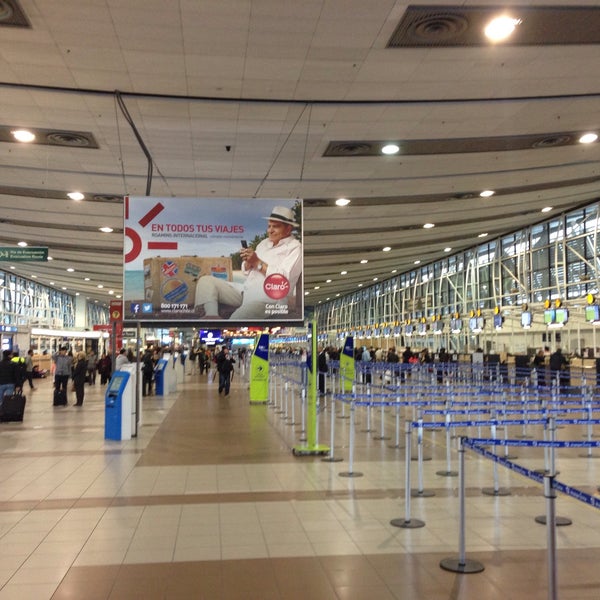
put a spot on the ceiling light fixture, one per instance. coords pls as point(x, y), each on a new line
point(482, 235)
point(501, 28)
point(417, 262)
point(50, 258)
point(546, 209)
point(106, 229)
point(71, 270)
point(342, 201)
point(375, 278)
point(364, 261)
point(428, 225)
point(86, 278)
point(447, 249)
point(22, 244)
point(343, 272)
point(23, 135)
point(487, 193)
point(390, 149)
point(588, 138)
point(328, 281)
point(76, 195)
point(386, 248)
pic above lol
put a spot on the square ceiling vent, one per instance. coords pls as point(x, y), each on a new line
point(12, 15)
point(444, 26)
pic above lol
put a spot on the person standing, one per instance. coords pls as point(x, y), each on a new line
point(147, 373)
point(104, 368)
point(121, 360)
point(225, 369)
point(322, 368)
point(62, 370)
point(539, 364)
point(80, 370)
point(92, 365)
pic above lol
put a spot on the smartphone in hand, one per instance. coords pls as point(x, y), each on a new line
point(244, 244)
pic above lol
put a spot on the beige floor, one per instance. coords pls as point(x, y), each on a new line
point(208, 502)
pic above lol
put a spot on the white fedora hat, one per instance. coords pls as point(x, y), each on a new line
point(283, 214)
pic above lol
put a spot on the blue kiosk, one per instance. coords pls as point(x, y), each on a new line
point(118, 407)
point(160, 375)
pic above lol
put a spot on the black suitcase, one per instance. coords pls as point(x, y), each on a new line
point(13, 408)
point(60, 397)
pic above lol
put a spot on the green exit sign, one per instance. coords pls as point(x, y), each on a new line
point(24, 254)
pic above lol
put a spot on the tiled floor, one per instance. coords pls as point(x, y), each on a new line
point(208, 502)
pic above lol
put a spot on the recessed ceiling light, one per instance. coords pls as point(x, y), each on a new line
point(22, 244)
point(328, 281)
point(86, 278)
point(501, 28)
point(76, 195)
point(343, 272)
point(390, 149)
point(428, 225)
point(364, 261)
point(360, 285)
point(487, 193)
point(118, 296)
point(327, 299)
point(50, 258)
point(588, 138)
point(71, 270)
point(417, 262)
point(52, 283)
point(447, 249)
point(306, 293)
point(546, 209)
point(111, 292)
point(12, 266)
point(394, 270)
point(63, 288)
point(34, 277)
point(317, 287)
point(482, 235)
point(22, 135)
point(386, 248)
point(337, 295)
point(106, 229)
point(100, 286)
point(342, 201)
point(77, 293)
point(375, 278)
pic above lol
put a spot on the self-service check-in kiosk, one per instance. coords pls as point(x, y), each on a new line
point(160, 375)
point(119, 401)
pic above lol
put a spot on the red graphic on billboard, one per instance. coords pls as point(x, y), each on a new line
point(276, 286)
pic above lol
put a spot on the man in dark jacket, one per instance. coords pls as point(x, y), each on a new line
point(8, 377)
point(225, 369)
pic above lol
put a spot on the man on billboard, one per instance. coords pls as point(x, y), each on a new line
point(271, 270)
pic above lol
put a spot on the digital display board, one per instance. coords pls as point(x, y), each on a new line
point(526, 319)
point(592, 313)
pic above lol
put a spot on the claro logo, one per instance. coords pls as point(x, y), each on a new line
point(276, 286)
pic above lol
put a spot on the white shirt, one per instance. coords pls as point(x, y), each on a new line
point(285, 259)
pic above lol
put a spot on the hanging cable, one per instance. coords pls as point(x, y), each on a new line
point(138, 137)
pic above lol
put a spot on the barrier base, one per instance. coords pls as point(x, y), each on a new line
point(494, 492)
point(410, 524)
point(468, 566)
point(447, 473)
point(313, 451)
point(423, 458)
point(589, 456)
point(422, 493)
point(332, 459)
point(558, 521)
point(397, 446)
point(350, 474)
point(382, 437)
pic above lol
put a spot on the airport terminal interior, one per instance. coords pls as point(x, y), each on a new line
point(443, 158)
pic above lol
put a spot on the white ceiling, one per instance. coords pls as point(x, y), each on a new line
point(277, 81)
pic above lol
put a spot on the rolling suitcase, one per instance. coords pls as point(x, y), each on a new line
point(60, 397)
point(13, 408)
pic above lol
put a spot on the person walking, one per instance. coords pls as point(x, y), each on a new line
point(92, 365)
point(63, 365)
point(29, 369)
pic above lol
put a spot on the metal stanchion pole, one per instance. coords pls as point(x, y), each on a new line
point(303, 407)
point(286, 386)
point(420, 456)
point(461, 564)
point(331, 457)
point(382, 435)
point(550, 496)
point(397, 418)
point(407, 522)
point(448, 472)
point(496, 490)
point(292, 417)
point(351, 472)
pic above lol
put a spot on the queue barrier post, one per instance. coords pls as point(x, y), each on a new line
point(351, 472)
point(461, 564)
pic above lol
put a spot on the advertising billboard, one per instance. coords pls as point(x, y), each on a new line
point(231, 260)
